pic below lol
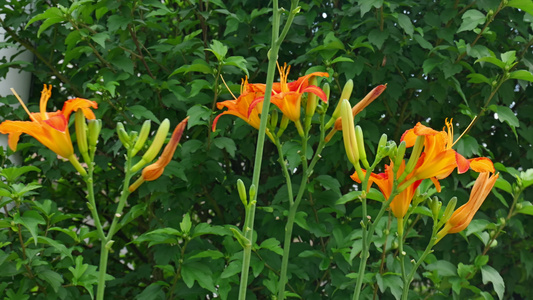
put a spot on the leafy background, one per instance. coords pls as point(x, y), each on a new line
point(164, 59)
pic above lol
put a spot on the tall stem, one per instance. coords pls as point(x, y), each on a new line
point(250, 209)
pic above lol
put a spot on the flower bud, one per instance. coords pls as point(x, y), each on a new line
point(448, 211)
point(252, 192)
point(415, 154)
point(283, 125)
point(94, 132)
point(361, 146)
point(435, 206)
point(400, 153)
point(81, 134)
point(327, 90)
point(274, 116)
point(242, 192)
point(156, 145)
point(312, 100)
point(123, 135)
point(143, 135)
point(346, 94)
point(350, 142)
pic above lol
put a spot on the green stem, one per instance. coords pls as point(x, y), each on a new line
point(250, 210)
point(369, 227)
point(293, 208)
point(407, 280)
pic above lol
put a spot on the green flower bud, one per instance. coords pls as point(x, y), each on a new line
point(252, 192)
point(156, 145)
point(242, 192)
point(348, 132)
point(81, 134)
point(361, 146)
point(123, 135)
point(274, 116)
point(415, 155)
point(400, 153)
point(95, 126)
point(346, 94)
point(312, 100)
point(141, 140)
point(448, 211)
point(283, 125)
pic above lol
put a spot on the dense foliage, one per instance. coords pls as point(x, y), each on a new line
point(150, 59)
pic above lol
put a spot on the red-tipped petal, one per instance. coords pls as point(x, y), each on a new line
point(317, 91)
point(462, 163)
point(254, 104)
point(482, 164)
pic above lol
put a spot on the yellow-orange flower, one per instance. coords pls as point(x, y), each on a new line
point(287, 95)
point(400, 203)
point(49, 128)
point(438, 159)
point(462, 216)
point(240, 107)
point(155, 170)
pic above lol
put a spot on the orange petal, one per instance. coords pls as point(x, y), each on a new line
point(462, 163)
point(85, 105)
point(317, 91)
point(482, 164)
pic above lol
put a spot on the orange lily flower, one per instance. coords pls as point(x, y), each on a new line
point(241, 107)
point(400, 203)
point(439, 159)
point(155, 170)
point(49, 128)
point(462, 216)
point(287, 96)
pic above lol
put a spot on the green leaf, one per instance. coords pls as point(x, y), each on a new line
point(140, 112)
point(329, 183)
point(478, 78)
point(443, 267)
point(521, 75)
point(198, 65)
point(350, 196)
point(509, 57)
point(54, 279)
point(405, 22)
point(30, 220)
point(220, 50)
point(378, 37)
point(272, 244)
point(51, 16)
point(422, 42)
point(489, 274)
point(493, 60)
point(527, 208)
point(226, 143)
point(196, 271)
point(471, 19)
point(505, 114)
point(430, 63)
point(185, 224)
point(213, 254)
point(504, 185)
point(525, 5)
point(11, 174)
point(232, 269)
point(366, 5)
point(100, 38)
point(237, 61)
point(527, 178)
point(341, 59)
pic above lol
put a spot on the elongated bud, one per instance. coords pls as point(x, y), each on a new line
point(448, 211)
point(93, 131)
point(242, 192)
point(400, 153)
point(415, 155)
point(283, 125)
point(81, 134)
point(350, 142)
point(252, 192)
point(143, 135)
point(312, 100)
point(361, 146)
point(123, 135)
point(156, 145)
point(274, 116)
point(326, 88)
point(346, 94)
point(435, 206)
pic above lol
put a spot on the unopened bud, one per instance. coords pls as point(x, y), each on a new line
point(415, 155)
point(435, 206)
point(252, 192)
point(283, 125)
point(448, 211)
point(327, 90)
point(361, 146)
point(400, 153)
point(94, 128)
point(312, 100)
point(156, 145)
point(242, 192)
point(123, 135)
point(274, 115)
point(348, 133)
point(141, 139)
point(81, 134)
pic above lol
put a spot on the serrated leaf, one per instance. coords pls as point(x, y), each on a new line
point(422, 42)
point(31, 221)
point(220, 50)
point(237, 61)
point(527, 208)
point(493, 60)
point(185, 224)
point(100, 38)
point(443, 267)
point(273, 245)
point(489, 274)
